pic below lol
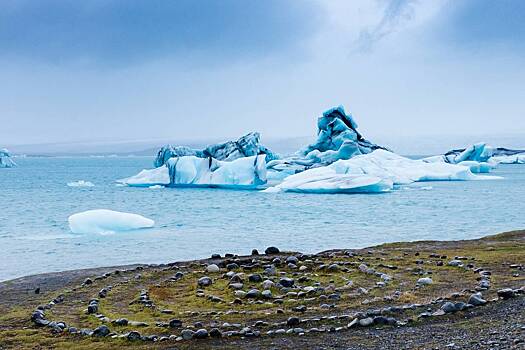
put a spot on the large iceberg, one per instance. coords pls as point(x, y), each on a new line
point(5, 159)
point(337, 139)
point(104, 221)
point(242, 173)
point(377, 172)
point(246, 146)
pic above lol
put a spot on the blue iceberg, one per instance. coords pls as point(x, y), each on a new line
point(5, 159)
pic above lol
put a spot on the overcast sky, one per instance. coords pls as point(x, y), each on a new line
point(145, 69)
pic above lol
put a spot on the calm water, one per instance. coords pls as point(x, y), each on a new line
point(194, 223)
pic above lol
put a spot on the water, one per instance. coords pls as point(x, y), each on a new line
point(194, 223)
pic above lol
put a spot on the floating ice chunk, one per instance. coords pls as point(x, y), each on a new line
point(106, 221)
point(5, 159)
point(80, 183)
point(478, 167)
point(378, 171)
point(155, 187)
point(510, 159)
point(246, 172)
point(148, 177)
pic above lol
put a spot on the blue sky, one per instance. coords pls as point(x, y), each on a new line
point(146, 69)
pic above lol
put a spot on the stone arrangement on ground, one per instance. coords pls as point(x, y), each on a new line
point(274, 294)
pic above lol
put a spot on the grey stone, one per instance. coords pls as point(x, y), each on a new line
point(187, 334)
point(101, 331)
point(272, 250)
point(201, 334)
point(204, 281)
point(133, 336)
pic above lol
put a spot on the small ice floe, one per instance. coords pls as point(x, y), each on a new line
point(155, 187)
point(80, 183)
point(104, 221)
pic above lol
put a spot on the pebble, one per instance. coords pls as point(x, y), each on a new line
point(101, 331)
point(365, 322)
point(424, 281)
point(253, 294)
point(175, 323)
point(476, 299)
point(293, 321)
point(286, 282)
point(187, 334)
point(267, 284)
point(201, 334)
point(133, 336)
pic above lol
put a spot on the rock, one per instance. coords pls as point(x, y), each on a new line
point(232, 266)
point(455, 263)
point(267, 294)
point(175, 323)
point(101, 331)
point(300, 308)
point(267, 284)
point(286, 282)
point(37, 290)
point(254, 252)
point(476, 300)
point(204, 281)
point(253, 294)
point(506, 293)
point(272, 250)
point(133, 336)
point(292, 260)
point(303, 268)
point(365, 322)
point(333, 268)
point(293, 321)
point(120, 322)
point(240, 294)
point(187, 334)
point(215, 256)
point(215, 332)
point(449, 307)
point(236, 286)
point(424, 281)
point(256, 278)
point(213, 268)
point(201, 334)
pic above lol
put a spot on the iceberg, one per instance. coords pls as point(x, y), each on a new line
point(192, 171)
point(246, 146)
point(80, 183)
point(104, 221)
point(376, 172)
point(5, 159)
point(337, 139)
point(480, 157)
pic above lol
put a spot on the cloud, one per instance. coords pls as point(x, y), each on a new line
point(122, 31)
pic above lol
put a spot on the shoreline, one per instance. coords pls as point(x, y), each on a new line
point(322, 300)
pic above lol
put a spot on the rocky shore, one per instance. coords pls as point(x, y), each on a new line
point(417, 295)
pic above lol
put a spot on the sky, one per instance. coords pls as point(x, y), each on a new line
point(204, 69)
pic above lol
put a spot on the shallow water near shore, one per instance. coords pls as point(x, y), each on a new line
point(194, 223)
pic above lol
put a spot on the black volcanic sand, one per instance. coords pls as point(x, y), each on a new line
point(415, 295)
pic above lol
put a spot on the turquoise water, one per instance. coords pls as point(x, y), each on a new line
point(194, 223)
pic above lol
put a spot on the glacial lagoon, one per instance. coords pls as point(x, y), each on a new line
point(194, 223)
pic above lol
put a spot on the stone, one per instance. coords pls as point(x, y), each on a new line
point(215, 332)
point(253, 294)
point(232, 266)
point(449, 307)
point(455, 263)
point(120, 322)
point(286, 282)
point(476, 300)
point(292, 260)
point(201, 334)
point(175, 323)
point(267, 294)
point(204, 281)
point(365, 322)
point(293, 321)
point(333, 268)
point(236, 286)
point(424, 281)
point(255, 252)
point(272, 250)
point(133, 336)
point(255, 278)
point(101, 331)
point(215, 256)
point(213, 268)
point(506, 293)
point(187, 334)
point(267, 284)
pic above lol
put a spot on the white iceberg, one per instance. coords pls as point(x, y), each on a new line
point(375, 172)
point(5, 159)
point(148, 178)
point(80, 183)
point(510, 159)
point(104, 221)
point(242, 173)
